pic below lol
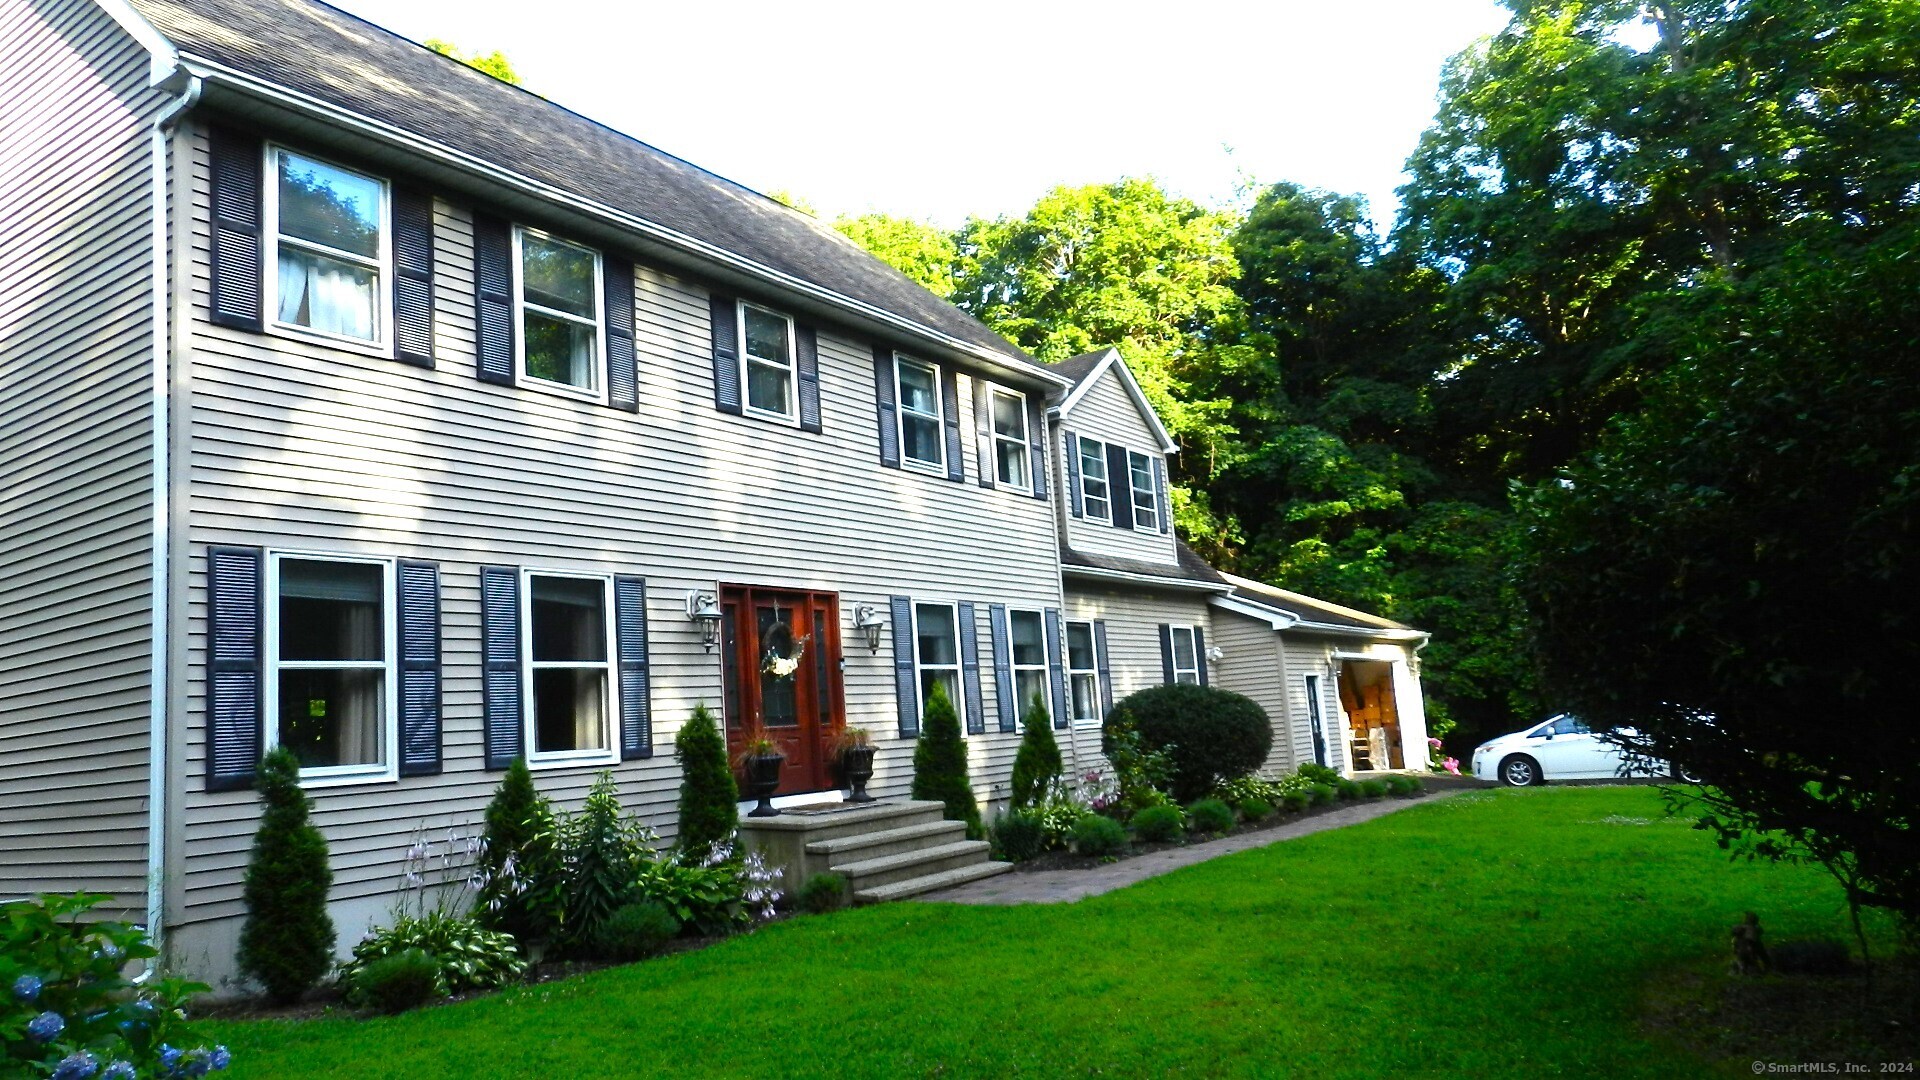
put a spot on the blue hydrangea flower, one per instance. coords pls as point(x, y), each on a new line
point(78, 1065)
point(198, 1063)
point(170, 1057)
point(46, 1027)
point(221, 1058)
point(109, 951)
point(119, 1070)
point(27, 987)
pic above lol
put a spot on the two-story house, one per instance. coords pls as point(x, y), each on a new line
point(356, 402)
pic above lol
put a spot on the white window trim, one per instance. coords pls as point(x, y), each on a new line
point(598, 393)
point(1193, 640)
point(939, 416)
point(1105, 517)
point(1153, 494)
point(792, 415)
point(1066, 661)
point(1044, 667)
point(529, 735)
point(335, 775)
point(382, 342)
point(1026, 435)
point(958, 666)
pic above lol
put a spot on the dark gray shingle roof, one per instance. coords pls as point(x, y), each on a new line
point(1191, 567)
point(354, 65)
point(1307, 607)
point(1079, 367)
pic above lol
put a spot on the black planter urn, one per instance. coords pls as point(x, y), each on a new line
point(856, 764)
point(763, 776)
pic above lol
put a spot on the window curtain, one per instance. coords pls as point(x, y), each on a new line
point(324, 295)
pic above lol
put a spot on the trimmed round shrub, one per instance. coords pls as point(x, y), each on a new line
point(1256, 809)
point(1099, 835)
point(1159, 823)
point(1321, 794)
point(1373, 789)
point(1293, 802)
point(636, 931)
point(1404, 785)
point(1019, 835)
point(1347, 789)
point(823, 892)
point(393, 984)
point(1210, 816)
point(1209, 735)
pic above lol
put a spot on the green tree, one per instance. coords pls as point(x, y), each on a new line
point(926, 253)
point(709, 798)
point(940, 763)
point(494, 63)
point(1037, 764)
point(286, 942)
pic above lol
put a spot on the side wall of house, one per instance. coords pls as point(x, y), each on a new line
point(1133, 618)
point(1251, 666)
point(1302, 655)
point(75, 439)
point(1108, 413)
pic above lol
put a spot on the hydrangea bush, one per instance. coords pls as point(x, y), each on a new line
point(69, 1011)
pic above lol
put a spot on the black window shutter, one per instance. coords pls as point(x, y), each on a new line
point(238, 250)
point(1056, 672)
point(1160, 493)
point(234, 583)
point(724, 311)
point(904, 684)
point(413, 277)
point(1003, 667)
point(983, 433)
point(493, 298)
point(501, 713)
point(623, 364)
point(1200, 653)
point(1166, 653)
point(1037, 447)
point(970, 670)
point(418, 621)
point(883, 396)
point(807, 352)
point(950, 406)
point(636, 683)
point(1120, 486)
point(1073, 474)
point(1106, 670)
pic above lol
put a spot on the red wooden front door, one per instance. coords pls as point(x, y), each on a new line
point(801, 710)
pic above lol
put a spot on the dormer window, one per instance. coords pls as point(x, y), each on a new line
point(1095, 498)
point(332, 244)
point(767, 360)
point(1146, 500)
point(560, 314)
point(922, 444)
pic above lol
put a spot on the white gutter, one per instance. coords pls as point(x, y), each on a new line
point(1068, 570)
point(221, 75)
point(1277, 618)
point(1380, 634)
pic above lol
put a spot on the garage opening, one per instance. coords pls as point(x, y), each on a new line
point(1373, 717)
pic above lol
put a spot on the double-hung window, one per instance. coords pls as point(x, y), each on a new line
point(568, 685)
point(332, 238)
point(1186, 658)
point(1146, 494)
point(1095, 496)
point(767, 361)
point(330, 644)
point(1029, 661)
point(561, 343)
point(922, 444)
point(937, 654)
point(1083, 674)
point(1010, 453)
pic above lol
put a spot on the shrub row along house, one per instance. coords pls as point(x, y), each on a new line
point(356, 402)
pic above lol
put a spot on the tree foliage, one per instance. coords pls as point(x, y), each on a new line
point(286, 942)
point(494, 63)
point(926, 253)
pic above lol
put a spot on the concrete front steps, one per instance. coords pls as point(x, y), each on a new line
point(887, 850)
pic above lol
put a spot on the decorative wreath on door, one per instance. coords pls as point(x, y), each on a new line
point(783, 652)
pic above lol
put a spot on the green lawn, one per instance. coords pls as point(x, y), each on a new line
point(1495, 933)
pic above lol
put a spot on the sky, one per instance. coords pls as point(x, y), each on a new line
point(947, 111)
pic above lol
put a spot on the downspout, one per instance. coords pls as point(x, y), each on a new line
point(159, 658)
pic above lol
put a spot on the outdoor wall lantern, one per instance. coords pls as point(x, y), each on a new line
point(1215, 654)
point(867, 620)
point(704, 608)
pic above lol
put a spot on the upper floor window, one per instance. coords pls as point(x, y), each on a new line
point(1146, 499)
point(767, 359)
point(1029, 660)
point(1095, 498)
point(937, 654)
point(332, 244)
point(922, 443)
point(1186, 658)
point(1010, 453)
point(569, 692)
point(1083, 674)
point(560, 320)
point(329, 663)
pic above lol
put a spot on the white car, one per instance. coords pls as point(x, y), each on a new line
point(1561, 748)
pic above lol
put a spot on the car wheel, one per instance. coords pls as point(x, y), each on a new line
point(1686, 776)
point(1519, 770)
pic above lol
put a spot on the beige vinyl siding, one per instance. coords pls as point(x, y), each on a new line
point(75, 437)
point(297, 445)
point(1303, 655)
point(1133, 618)
point(1108, 413)
point(1251, 666)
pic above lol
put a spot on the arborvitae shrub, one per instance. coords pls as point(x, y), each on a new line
point(709, 799)
point(1159, 823)
point(940, 763)
point(1208, 734)
point(1210, 816)
point(287, 940)
point(1038, 763)
point(1099, 835)
point(1019, 835)
point(519, 865)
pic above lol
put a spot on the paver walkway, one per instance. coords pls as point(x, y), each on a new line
point(1066, 886)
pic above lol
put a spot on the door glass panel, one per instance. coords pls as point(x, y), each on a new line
point(779, 705)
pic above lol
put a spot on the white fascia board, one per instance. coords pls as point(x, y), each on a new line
point(1109, 362)
point(217, 74)
point(1128, 577)
point(1277, 618)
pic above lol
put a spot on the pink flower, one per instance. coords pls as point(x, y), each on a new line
point(1435, 743)
point(1452, 765)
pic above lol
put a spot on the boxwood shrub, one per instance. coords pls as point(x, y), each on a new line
point(1321, 794)
point(1097, 834)
point(1159, 823)
point(1018, 835)
point(1295, 801)
point(1209, 735)
point(1373, 789)
point(1210, 816)
point(1256, 809)
point(1347, 789)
